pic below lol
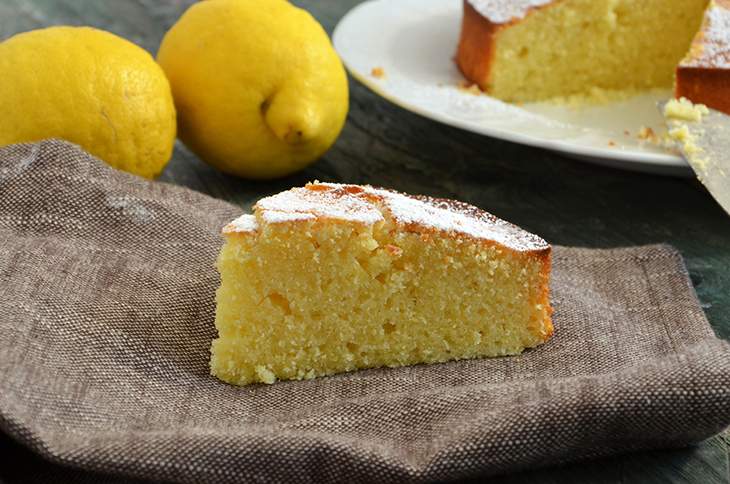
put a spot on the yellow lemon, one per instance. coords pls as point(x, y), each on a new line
point(91, 88)
point(259, 89)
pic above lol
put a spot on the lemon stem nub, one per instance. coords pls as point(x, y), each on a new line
point(291, 118)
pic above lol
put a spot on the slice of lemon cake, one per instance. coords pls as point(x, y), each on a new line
point(331, 278)
point(531, 50)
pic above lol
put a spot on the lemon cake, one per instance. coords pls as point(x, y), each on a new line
point(330, 278)
point(532, 50)
point(703, 76)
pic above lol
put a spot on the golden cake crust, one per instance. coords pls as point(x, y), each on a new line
point(704, 75)
point(481, 23)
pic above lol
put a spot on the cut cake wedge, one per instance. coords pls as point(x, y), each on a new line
point(331, 278)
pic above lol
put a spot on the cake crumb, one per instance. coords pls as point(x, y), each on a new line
point(265, 375)
point(611, 143)
point(683, 109)
point(377, 72)
point(469, 87)
point(682, 135)
point(647, 134)
point(394, 250)
point(679, 113)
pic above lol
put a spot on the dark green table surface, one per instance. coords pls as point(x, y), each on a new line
point(565, 201)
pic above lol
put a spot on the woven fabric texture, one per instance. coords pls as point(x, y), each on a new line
point(107, 286)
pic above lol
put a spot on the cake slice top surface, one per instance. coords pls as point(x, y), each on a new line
point(320, 200)
point(505, 11)
point(244, 223)
point(711, 47)
point(368, 205)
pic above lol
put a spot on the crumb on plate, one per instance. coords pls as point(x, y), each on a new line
point(647, 134)
point(683, 109)
point(469, 87)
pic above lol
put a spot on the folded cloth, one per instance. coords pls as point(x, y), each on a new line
point(107, 286)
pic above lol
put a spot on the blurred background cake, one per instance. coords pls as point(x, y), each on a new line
point(533, 50)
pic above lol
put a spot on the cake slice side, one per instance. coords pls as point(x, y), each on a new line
point(307, 294)
point(703, 76)
point(477, 43)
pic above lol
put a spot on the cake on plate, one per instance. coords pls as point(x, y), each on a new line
point(330, 278)
point(533, 50)
point(703, 76)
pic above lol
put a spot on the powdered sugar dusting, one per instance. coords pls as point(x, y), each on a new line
point(503, 11)
point(363, 204)
point(308, 203)
point(285, 217)
point(244, 223)
point(714, 45)
point(451, 216)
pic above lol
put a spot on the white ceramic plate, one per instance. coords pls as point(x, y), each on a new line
point(413, 42)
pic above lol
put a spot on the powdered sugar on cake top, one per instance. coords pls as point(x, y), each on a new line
point(244, 223)
point(503, 11)
point(309, 202)
point(713, 49)
point(419, 212)
point(368, 205)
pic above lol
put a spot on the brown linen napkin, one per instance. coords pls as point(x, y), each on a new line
point(106, 316)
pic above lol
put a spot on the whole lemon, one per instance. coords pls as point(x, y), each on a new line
point(89, 87)
point(259, 89)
